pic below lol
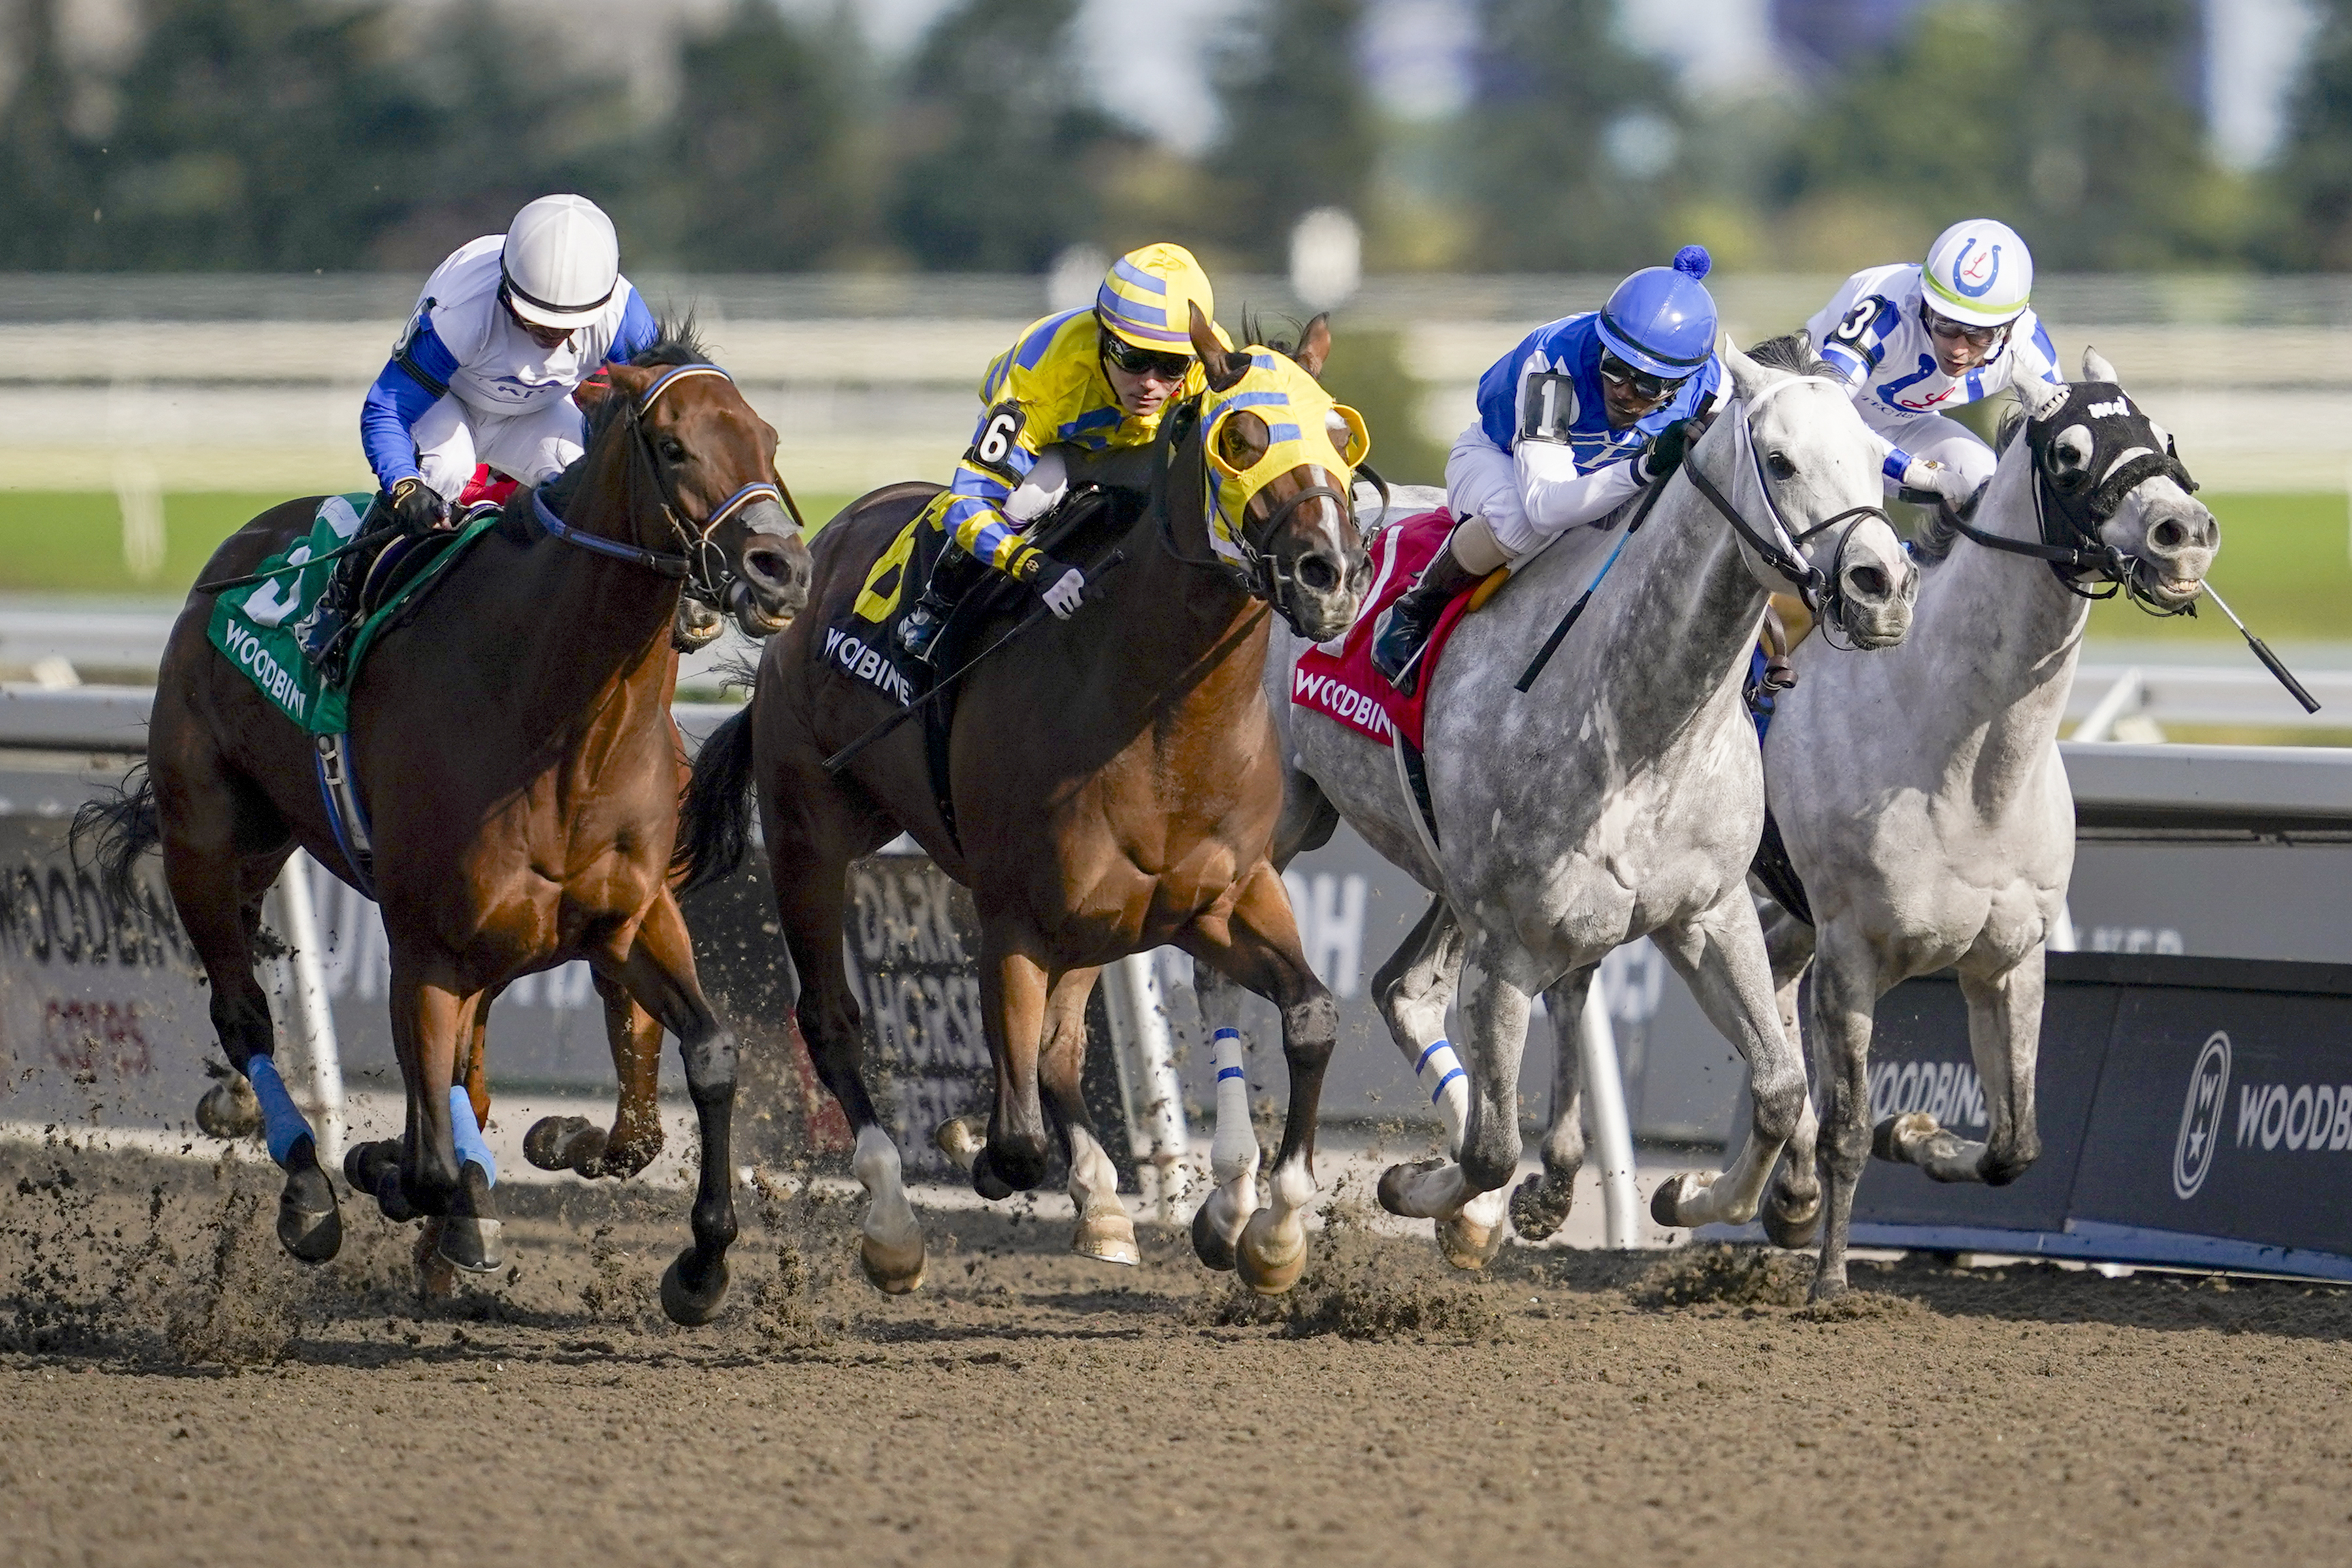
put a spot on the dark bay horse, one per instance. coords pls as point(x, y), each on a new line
point(514, 748)
point(1115, 788)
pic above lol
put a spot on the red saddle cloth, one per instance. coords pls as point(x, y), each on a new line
point(1345, 685)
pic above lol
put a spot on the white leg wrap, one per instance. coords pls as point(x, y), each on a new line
point(1448, 1088)
point(1233, 1151)
point(889, 1217)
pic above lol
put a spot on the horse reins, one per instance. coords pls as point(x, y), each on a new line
point(691, 564)
point(1823, 593)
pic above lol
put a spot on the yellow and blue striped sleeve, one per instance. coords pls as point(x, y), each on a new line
point(1017, 423)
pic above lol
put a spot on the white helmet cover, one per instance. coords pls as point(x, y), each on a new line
point(1978, 272)
point(561, 261)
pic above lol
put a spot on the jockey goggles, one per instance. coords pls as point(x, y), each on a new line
point(1617, 373)
point(1144, 362)
point(1952, 331)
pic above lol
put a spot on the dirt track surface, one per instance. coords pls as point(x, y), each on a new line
point(172, 1389)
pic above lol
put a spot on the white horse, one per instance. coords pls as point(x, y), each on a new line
point(1923, 802)
point(1620, 796)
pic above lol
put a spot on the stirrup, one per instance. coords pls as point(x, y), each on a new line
point(918, 634)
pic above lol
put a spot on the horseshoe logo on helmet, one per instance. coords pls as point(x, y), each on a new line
point(1965, 267)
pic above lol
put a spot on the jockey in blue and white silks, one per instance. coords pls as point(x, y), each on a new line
point(1915, 338)
point(505, 332)
point(1583, 413)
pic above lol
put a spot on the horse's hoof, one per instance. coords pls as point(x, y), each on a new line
point(1106, 1238)
point(685, 1305)
point(1788, 1226)
point(1267, 1266)
point(1534, 1211)
point(1666, 1204)
point(986, 1182)
point(373, 1171)
point(1896, 1138)
point(893, 1270)
point(471, 1244)
point(229, 1110)
point(1209, 1243)
point(436, 1279)
point(961, 1139)
point(1466, 1244)
point(309, 1221)
point(1826, 1289)
point(553, 1143)
point(1396, 1179)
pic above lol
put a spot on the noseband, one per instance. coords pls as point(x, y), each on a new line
point(1783, 549)
point(700, 564)
point(2070, 510)
point(1259, 573)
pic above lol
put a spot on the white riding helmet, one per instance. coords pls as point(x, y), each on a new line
point(561, 261)
point(1978, 272)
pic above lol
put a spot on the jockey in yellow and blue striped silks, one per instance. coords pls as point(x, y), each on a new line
point(1089, 381)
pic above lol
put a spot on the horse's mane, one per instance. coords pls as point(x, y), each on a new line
point(1792, 353)
point(1253, 332)
point(677, 341)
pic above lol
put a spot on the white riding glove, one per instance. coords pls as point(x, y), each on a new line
point(1068, 592)
point(1925, 474)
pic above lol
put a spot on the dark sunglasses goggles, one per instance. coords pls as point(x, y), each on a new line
point(1144, 362)
point(1953, 331)
point(1617, 373)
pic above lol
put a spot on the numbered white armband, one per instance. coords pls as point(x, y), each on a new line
point(998, 437)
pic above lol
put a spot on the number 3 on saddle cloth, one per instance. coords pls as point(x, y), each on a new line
point(254, 621)
point(1339, 683)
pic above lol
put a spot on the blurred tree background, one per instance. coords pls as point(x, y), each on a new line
point(300, 134)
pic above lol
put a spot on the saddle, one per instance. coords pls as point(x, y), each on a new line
point(864, 645)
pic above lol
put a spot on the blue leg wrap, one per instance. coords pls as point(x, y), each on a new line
point(281, 1122)
point(470, 1144)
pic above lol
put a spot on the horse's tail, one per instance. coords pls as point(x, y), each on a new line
point(714, 820)
point(121, 824)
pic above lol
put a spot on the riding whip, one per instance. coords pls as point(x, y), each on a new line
point(2261, 651)
point(1559, 632)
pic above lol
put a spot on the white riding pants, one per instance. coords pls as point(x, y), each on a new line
point(1943, 440)
point(1484, 481)
point(534, 447)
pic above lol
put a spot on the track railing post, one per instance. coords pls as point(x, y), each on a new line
point(310, 1018)
point(1144, 1048)
point(1611, 1129)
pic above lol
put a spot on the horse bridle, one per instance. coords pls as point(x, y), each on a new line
point(1259, 573)
point(701, 565)
point(2069, 516)
point(1782, 551)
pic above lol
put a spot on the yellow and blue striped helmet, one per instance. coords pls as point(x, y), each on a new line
point(1148, 295)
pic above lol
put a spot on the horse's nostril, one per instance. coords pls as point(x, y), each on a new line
point(1319, 575)
point(2167, 535)
point(1868, 581)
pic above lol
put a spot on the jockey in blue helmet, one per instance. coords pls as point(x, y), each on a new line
point(1571, 423)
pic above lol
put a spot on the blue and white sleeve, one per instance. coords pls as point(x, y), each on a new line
point(413, 380)
point(638, 331)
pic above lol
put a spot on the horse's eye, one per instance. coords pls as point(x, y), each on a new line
point(1777, 464)
point(673, 450)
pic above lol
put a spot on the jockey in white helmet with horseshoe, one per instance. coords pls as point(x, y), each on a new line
point(505, 331)
point(1913, 340)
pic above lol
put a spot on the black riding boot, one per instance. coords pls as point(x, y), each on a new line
point(952, 575)
point(324, 632)
point(1405, 624)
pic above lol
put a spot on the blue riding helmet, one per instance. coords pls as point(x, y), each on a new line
point(1662, 320)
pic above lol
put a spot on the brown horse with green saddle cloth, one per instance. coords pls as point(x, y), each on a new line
point(510, 797)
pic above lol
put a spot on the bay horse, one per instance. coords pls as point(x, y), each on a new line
point(1621, 797)
point(1923, 800)
point(1116, 783)
point(512, 744)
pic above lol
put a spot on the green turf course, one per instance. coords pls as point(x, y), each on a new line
point(70, 541)
point(2284, 562)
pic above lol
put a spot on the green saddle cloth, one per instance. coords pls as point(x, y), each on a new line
point(253, 626)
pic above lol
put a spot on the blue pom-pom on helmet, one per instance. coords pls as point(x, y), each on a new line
point(1662, 319)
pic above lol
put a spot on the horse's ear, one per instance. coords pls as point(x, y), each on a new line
point(1221, 365)
point(1315, 345)
point(2040, 399)
point(626, 379)
point(2096, 368)
point(1749, 379)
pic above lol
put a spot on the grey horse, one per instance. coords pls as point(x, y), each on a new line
point(1622, 796)
point(1924, 806)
